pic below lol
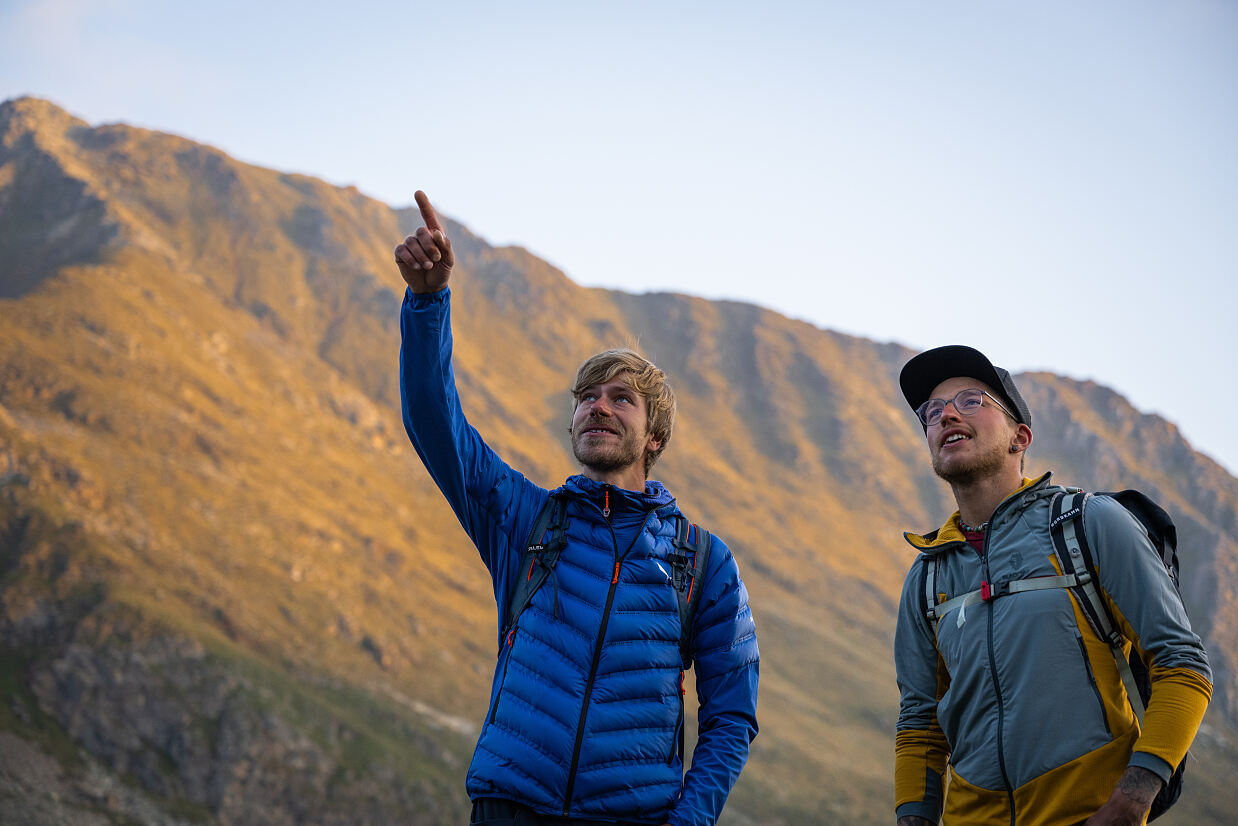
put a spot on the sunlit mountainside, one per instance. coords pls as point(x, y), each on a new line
point(230, 594)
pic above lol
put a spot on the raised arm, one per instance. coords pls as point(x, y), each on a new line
point(493, 502)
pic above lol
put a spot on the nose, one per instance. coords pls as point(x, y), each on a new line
point(945, 411)
point(601, 406)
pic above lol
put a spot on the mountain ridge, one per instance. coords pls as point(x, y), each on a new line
point(209, 503)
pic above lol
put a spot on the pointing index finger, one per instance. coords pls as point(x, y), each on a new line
point(428, 215)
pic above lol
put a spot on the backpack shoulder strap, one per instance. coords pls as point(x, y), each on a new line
point(932, 611)
point(1070, 543)
point(541, 554)
point(689, 561)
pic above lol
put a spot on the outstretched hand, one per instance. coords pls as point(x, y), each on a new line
point(425, 258)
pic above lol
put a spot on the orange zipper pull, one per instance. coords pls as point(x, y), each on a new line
point(606, 509)
point(615, 578)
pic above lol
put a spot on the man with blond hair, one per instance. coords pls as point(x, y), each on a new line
point(605, 593)
point(1000, 670)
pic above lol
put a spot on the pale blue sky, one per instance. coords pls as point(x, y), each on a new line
point(1055, 183)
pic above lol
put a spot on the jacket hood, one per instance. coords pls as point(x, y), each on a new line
point(654, 496)
point(950, 533)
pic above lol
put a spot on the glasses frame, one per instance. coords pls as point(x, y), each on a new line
point(920, 411)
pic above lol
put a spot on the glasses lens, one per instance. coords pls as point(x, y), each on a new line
point(969, 401)
point(931, 411)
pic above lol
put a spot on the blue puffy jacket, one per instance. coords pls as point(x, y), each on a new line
point(586, 706)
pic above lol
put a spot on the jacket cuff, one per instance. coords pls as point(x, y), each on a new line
point(425, 299)
point(1152, 763)
point(930, 810)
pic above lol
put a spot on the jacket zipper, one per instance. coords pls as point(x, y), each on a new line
point(511, 638)
point(597, 650)
point(997, 688)
point(677, 739)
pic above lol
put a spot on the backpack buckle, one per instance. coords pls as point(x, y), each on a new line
point(679, 567)
point(989, 591)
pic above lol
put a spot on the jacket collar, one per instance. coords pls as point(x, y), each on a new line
point(654, 496)
point(950, 533)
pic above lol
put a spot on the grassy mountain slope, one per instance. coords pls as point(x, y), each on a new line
point(229, 593)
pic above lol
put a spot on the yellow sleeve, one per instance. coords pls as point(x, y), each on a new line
point(1179, 698)
point(920, 759)
point(918, 756)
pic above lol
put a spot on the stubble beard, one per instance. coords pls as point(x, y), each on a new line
point(988, 463)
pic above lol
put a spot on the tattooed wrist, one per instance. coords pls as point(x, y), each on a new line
point(1140, 784)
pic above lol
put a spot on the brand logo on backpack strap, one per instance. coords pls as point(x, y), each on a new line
point(1070, 514)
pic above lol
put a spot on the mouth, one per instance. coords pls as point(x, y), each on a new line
point(954, 438)
point(597, 430)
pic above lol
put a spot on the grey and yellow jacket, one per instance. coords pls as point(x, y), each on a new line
point(1018, 694)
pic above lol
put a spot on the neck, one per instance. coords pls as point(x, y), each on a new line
point(630, 478)
point(978, 498)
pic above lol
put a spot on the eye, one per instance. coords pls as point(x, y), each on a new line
point(588, 397)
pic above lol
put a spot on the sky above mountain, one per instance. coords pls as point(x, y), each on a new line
point(1053, 183)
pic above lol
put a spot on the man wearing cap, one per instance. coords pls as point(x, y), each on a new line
point(1018, 693)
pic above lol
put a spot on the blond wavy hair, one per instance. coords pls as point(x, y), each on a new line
point(644, 377)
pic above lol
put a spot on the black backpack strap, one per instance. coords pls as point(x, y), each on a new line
point(689, 561)
point(929, 580)
point(1070, 542)
point(541, 554)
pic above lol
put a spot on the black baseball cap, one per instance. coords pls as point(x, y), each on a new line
point(924, 372)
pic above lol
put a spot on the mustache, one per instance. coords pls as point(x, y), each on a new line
point(593, 422)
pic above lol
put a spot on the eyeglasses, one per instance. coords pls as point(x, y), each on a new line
point(967, 402)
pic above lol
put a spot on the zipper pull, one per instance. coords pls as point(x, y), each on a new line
point(606, 509)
